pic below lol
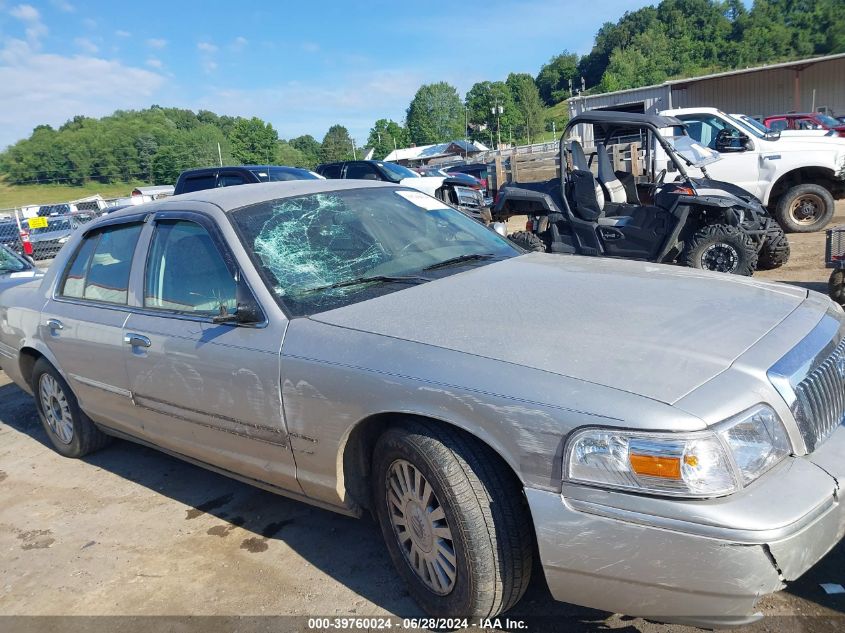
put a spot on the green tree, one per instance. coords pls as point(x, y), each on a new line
point(385, 136)
point(554, 77)
point(337, 145)
point(287, 154)
point(253, 141)
point(481, 101)
point(310, 148)
point(436, 114)
point(646, 61)
point(528, 104)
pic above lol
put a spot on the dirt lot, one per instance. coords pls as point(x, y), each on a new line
point(129, 531)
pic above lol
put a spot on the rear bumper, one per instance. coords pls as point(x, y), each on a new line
point(628, 562)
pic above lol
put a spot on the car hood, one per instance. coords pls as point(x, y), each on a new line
point(426, 184)
point(654, 330)
point(797, 143)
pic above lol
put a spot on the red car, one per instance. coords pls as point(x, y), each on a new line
point(807, 121)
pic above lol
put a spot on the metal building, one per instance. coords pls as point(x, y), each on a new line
point(806, 85)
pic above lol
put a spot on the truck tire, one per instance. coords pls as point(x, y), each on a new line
point(721, 248)
point(531, 242)
point(454, 518)
point(71, 432)
point(775, 250)
point(836, 286)
point(805, 209)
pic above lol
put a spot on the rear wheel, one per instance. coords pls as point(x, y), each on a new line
point(836, 286)
point(775, 251)
point(71, 432)
point(805, 208)
point(721, 248)
point(531, 242)
point(454, 520)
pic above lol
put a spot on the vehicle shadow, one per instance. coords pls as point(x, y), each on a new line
point(350, 551)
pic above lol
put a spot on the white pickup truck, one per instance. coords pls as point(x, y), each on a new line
point(796, 178)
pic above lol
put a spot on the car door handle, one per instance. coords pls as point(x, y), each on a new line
point(55, 324)
point(136, 340)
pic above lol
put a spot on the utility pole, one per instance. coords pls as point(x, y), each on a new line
point(354, 155)
point(466, 130)
point(498, 111)
point(219, 155)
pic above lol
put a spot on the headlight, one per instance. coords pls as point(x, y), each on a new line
point(702, 464)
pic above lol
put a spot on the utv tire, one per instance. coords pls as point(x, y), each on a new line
point(454, 519)
point(71, 432)
point(775, 251)
point(721, 248)
point(531, 242)
point(805, 209)
point(836, 286)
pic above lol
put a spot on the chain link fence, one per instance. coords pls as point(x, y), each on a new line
point(40, 235)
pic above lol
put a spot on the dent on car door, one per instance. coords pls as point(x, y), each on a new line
point(82, 324)
point(205, 390)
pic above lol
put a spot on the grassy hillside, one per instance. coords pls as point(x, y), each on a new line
point(18, 195)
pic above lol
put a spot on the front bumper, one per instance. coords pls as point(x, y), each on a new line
point(707, 564)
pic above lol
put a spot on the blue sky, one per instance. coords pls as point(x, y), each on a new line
point(302, 66)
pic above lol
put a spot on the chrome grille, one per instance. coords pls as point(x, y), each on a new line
point(820, 399)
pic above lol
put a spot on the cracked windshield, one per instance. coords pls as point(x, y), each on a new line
point(327, 250)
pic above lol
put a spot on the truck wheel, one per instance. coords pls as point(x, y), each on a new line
point(836, 286)
point(455, 522)
point(72, 432)
point(805, 208)
point(721, 248)
point(775, 251)
point(531, 242)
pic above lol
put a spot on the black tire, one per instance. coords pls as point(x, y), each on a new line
point(775, 250)
point(836, 286)
point(85, 436)
point(805, 209)
point(531, 242)
point(721, 248)
point(484, 509)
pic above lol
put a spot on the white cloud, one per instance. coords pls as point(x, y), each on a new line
point(156, 43)
point(89, 23)
point(63, 5)
point(152, 62)
point(41, 88)
point(206, 47)
point(86, 45)
point(122, 33)
point(238, 43)
point(29, 15)
point(310, 47)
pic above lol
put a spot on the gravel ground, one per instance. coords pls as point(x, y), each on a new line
point(129, 531)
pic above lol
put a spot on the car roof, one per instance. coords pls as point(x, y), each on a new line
point(196, 170)
point(231, 198)
point(624, 118)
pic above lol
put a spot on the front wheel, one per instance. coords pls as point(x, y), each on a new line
point(721, 248)
point(529, 241)
point(805, 209)
point(836, 286)
point(455, 522)
point(775, 251)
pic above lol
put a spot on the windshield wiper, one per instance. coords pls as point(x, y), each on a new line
point(366, 280)
point(459, 259)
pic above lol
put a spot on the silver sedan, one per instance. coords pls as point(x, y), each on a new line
point(363, 347)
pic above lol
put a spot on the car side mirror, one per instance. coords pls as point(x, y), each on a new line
point(730, 141)
point(247, 310)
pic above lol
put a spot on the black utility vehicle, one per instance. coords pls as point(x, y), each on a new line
point(695, 222)
point(211, 177)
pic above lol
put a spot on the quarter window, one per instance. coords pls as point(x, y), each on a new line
point(186, 273)
point(100, 268)
point(230, 180)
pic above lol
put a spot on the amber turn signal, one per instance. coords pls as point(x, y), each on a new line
point(653, 466)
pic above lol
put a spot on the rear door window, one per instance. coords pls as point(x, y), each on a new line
point(331, 171)
point(230, 180)
point(199, 183)
point(362, 171)
point(100, 268)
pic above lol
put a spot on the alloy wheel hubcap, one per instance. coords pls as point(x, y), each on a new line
point(720, 257)
point(806, 209)
point(420, 526)
point(55, 408)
